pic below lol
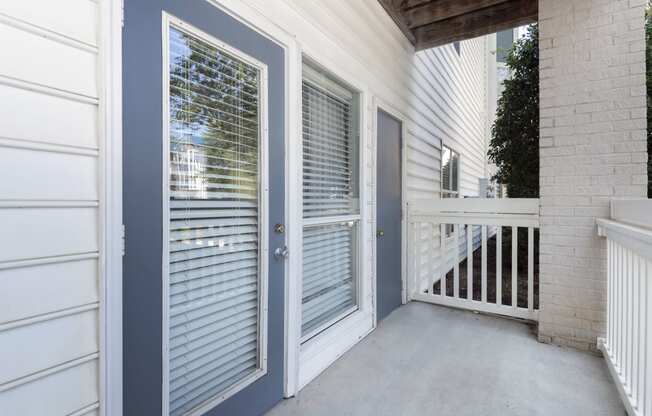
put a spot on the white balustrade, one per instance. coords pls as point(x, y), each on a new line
point(627, 345)
point(430, 258)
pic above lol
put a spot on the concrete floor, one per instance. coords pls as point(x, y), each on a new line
point(430, 360)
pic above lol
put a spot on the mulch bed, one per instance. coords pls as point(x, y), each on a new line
point(522, 286)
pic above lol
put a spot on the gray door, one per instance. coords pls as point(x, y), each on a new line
point(388, 241)
point(193, 183)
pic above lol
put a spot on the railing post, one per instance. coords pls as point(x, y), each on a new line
point(456, 267)
point(514, 267)
point(499, 265)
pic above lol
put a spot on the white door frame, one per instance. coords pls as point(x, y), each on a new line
point(111, 229)
point(380, 104)
point(257, 20)
point(316, 354)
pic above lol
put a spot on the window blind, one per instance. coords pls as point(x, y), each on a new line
point(328, 273)
point(330, 190)
point(329, 153)
point(214, 288)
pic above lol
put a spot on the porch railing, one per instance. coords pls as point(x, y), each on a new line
point(627, 345)
point(448, 237)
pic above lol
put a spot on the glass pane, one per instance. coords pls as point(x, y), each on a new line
point(329, 274)
point(330, 146)
point(446, 169)
point(214, 221)
point(455, 167)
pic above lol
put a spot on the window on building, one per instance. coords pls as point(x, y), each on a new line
point(331, 207)
point(450, 168)
point(504, 42)
point(450, 161)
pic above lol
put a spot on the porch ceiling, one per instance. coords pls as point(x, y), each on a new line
point(430, 23)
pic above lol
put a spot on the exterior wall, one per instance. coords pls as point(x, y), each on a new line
point(50, 161)
point(593, 148)
point(441, 93)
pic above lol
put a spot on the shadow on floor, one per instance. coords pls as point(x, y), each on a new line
point(431, 360)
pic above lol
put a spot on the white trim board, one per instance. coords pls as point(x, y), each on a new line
point(257, 20)
point(111, 245)
point(319, 352)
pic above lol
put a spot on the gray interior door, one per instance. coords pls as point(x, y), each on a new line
point(388, 241)
point(195, 211)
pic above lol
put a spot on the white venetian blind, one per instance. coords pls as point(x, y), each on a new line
point(214, 288)
point(330, 200)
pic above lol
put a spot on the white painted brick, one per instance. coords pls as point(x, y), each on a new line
point(592, 148)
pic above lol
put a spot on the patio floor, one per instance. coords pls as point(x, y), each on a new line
point(430, 360)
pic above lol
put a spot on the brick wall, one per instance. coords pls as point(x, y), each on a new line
point(593, 148)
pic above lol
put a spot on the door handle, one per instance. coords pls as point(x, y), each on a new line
point(281, 253)
point(380, 233)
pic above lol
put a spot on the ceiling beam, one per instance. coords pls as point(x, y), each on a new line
point(435, 11)
point(493, 19)
point(393, 9)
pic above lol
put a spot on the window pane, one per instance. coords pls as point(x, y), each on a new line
point(330, 147)
point(213, 239)
point(446, 169)
point(329, 273)
point(455, 166)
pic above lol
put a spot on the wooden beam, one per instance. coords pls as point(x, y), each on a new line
point(392, 7)
point(503, 16)
point(407, 4)
point(435, 11)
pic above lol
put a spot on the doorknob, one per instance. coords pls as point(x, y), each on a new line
point(380, 233)
point(281, 253)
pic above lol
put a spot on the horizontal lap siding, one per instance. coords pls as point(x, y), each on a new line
point(442, 94)
point(49, 207)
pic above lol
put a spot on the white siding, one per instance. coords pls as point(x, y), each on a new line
point(49, 207)
point(442, 94)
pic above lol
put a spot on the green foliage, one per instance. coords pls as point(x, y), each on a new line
point(648, 69)
point(514, 146)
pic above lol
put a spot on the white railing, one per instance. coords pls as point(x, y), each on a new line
point(627, 345)
point(441, 232)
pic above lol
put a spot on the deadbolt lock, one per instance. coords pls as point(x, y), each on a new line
point(279, 228)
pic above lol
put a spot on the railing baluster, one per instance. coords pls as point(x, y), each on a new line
point(433, 266)
point(647, 340)
point(629, 317)
point(410, 261)
point(444, 260)
point(417, 246)
point(514, 267)
point(619, 312)
point(484, 263)
point(469, 262)
point(636, 333)
point(610, 300)
point(499, 265)
point(456, 267)
point(530, 269)
point(642, 322)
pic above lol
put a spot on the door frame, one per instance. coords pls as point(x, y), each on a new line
point(110, 209)
point(318, 353)
point(380, 104)
point(169, 21)
point(256, 20)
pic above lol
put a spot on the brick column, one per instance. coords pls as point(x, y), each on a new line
point(592, 149)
